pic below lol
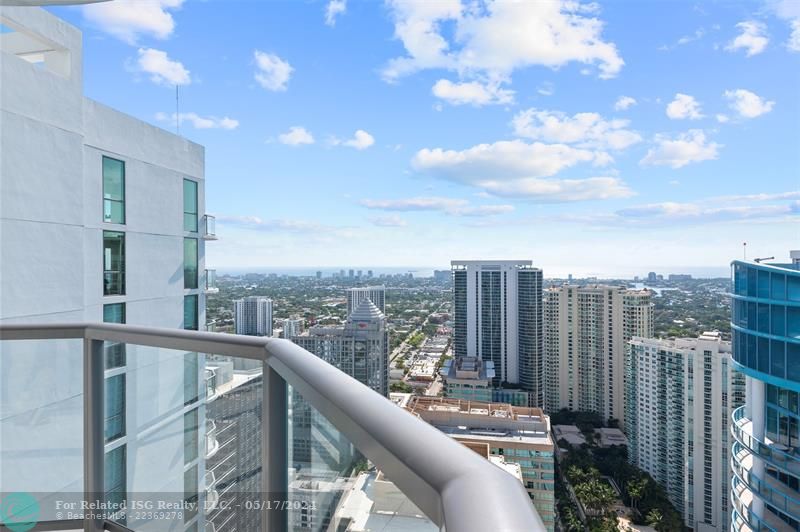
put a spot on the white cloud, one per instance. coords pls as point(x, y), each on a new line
point(272, 72)
point(451, 206)
point(748, 104)
point(334, 9)
point(788, 10)
point(586, 129)
point(281, 225)
point(361, 140)
point(702, 213)
point(684, 106)
point(487, 42)
point(162, 69)
point(688, 147)
point(752, 39)
point(472, 92)
point(546, 89)
point(722, 118)
point(559, 190)
point(624, 102)
point(388, 221)
point(129, 19)
point(199, 122)
point(764, 196)
point(698, 34)
point(515, 158)
point(296, 136)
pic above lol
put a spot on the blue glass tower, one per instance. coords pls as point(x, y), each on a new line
point(765, 457)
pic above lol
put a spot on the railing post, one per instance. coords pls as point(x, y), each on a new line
point(274, 451)
point(93, 429)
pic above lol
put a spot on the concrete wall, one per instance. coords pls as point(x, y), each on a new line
point(51, 229)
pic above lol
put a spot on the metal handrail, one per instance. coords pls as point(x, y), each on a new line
point(453, 486)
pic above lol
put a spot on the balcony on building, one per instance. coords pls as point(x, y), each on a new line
point(235, 416)
point(211, 282)
point(209, 227)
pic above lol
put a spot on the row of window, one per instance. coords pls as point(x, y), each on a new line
point(114, 263)
point(114, 196)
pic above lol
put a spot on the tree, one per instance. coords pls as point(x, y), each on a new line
point(596, 496)
point(571, 521)
point(636, 488)
point(654, 518)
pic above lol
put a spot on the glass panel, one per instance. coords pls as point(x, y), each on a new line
point(190, 312)
point(778, 286)
point(113, 263)
point(190, 263)
point(191, 376)
point(115, 472)
point(793, 288)
point(115, 407)
point(113, 211)
point(113, 190)
point(189, 205)
point(763, 283)
point(115, 352)
point(41, 424)
point(331, 484)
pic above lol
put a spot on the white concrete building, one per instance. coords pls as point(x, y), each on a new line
point(681, 394)
point(292, 327)
point(376, 294)
point(586, 333)
point(498, 317)
point(253, 316)
point(101, 219)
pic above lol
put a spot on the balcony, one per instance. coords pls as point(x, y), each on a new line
point(212, 445)
point(211, 282)
point(349, 424)
point(209, 227)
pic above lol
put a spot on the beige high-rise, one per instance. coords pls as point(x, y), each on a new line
point(586, 333)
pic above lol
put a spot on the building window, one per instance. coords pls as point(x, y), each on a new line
point(190, 263)
point(115, 407)
point(113, 191)
point(190, 435)
point(115, 352)
point(113, 263)
point(114, 472)
point(191, 391)
point(190, 312)
point(190, 205)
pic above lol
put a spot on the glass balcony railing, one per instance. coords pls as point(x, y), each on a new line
point(211, 282)
point(209, 227)
point(769, 490)
point(284, 441)
point(777, 455)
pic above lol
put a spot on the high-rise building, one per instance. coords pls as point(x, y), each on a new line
point(292, 327)
point(520, 434)
point(376, 294)
point(102, 218)
point(252, 315)
point(498, 317)
point(652, 277)
point(470, 379)
point(351, 273)
point(765, 489)
point(680, 396)
point(358, 348)
point(586, 333)
point(369, 274)
point(319, 275)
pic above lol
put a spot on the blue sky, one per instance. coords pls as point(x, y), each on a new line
point(593, 138)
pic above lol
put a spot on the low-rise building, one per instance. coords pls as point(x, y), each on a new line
point(520, 434)
point(570, 434)
point(470, 378)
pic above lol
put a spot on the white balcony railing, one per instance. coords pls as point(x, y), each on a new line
point(209, 227)
point(453, 486)
point(211, 282)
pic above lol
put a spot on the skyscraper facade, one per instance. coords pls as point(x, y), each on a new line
point(680, 396)
point(252, 315)
point(765, 489)
point(102, 218)
point(498, 317)
point(376, 294)
point(586, 333)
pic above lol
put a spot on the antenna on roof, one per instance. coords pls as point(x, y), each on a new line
point(744, 245)
point(763, 258)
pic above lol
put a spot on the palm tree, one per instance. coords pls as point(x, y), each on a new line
point(654, 518)
point(636, 488)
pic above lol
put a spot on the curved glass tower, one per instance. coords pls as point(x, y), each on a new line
point(765, 457)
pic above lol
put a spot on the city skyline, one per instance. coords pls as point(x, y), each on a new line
point(583, 140)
